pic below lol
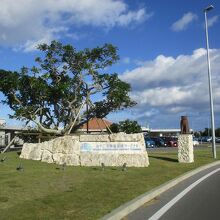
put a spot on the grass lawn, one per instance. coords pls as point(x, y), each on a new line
point(46, 191)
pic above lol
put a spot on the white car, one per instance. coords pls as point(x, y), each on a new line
point(209, 139)
point(195, 142)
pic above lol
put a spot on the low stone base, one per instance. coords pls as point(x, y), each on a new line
point(115, 159)
point(185, 148)
point(91, 150)
point(60, 150)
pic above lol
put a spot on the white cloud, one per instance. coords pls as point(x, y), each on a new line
point(184, 22)
point(174, 86)
point(136, 16)
point(168, 70)
point(26, 21)
point(213, 20)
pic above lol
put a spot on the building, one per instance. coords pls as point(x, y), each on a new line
point(162, 132)
point(165, 132)
point(95, 125)
point(7, 133)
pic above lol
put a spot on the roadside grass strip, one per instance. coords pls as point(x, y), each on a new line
point(47, 191)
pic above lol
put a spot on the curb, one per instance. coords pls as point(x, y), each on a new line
point(134, 204)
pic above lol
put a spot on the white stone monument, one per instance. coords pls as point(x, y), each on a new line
point(185, 142)
point(185, 148)
point(91, 150)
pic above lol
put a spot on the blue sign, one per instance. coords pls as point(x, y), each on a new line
point(110, 147)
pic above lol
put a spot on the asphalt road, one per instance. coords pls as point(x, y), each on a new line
point(196, 198)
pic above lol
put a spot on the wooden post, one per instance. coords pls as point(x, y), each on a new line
point(107, 126)
point(10, 143)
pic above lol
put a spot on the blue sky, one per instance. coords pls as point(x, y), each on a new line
point(161, 44)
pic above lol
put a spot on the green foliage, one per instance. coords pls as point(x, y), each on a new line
point(114, 128)
point(217, 132)
point(52, 93)
point(127, 126)
point(207, 132)
point(197, 134)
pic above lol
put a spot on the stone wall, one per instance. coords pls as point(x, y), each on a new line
point(91, 150)
point(185, 148)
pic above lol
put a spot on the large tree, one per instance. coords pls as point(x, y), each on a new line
point(53, 93)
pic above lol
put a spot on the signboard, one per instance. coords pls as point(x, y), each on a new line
point(110, 147)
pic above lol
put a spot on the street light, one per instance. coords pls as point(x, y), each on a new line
point(207, 9)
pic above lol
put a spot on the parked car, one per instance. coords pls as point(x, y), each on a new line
point(149, 142)
point(209, 139)
point(217, 139)
point(170, 141)
point(159, 142)
point(195, 141)
point(204, 139)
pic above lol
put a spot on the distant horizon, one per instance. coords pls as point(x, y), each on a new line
point(20, 125)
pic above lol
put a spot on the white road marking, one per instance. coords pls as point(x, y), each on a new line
point(165, 208)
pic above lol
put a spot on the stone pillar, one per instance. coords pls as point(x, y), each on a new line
point(185, 148)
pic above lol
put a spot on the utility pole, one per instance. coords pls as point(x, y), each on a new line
point(207, 9)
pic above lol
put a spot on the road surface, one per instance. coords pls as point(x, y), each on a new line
point(195, 198)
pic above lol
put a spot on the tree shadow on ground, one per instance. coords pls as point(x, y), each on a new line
point(165, 158)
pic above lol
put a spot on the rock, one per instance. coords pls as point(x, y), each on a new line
point(115, 159)
point(91, 150)
point(66, 145)
point(47, 156)
point(126, 137)
point(94, 138)
point(31, 151)
point(69, 159)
